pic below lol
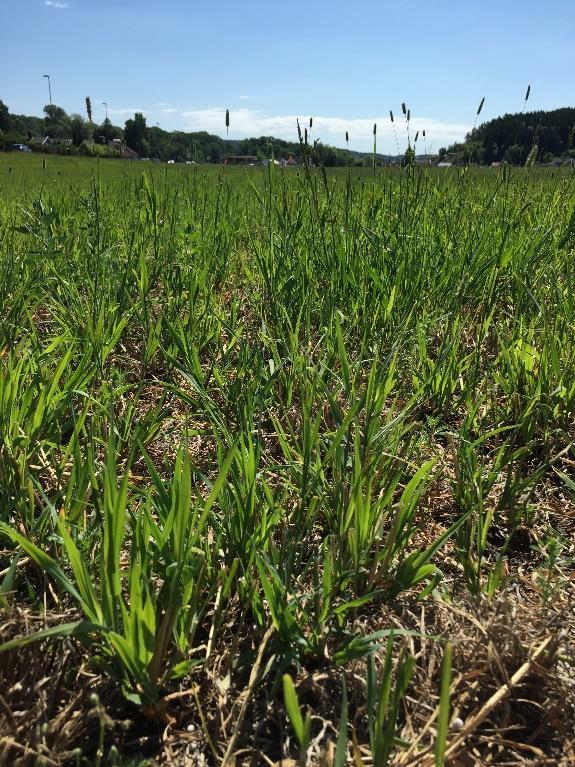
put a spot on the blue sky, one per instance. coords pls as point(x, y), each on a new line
point(182, 63)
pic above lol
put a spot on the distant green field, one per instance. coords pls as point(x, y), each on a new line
point(286, 463)
point(25, 174)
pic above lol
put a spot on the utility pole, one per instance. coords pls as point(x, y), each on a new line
point(49, 88)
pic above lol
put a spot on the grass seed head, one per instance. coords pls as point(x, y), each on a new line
point(374, 128)
point(403, 109)
point(391, 115)
point(528, 92)
point(480, 107)
point(227, 120)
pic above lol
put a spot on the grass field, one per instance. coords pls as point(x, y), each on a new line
point(286, 465)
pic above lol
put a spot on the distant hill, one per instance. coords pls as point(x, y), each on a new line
point(512, 137)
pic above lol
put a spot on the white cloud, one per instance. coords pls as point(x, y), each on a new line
point(125, 111)
point(244, 98)
point(56, 4)
point(245, 122)
point(331, 130)
point(165, 109)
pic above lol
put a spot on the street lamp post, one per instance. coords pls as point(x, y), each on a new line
point(49, 88)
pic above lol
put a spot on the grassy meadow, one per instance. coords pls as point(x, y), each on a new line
point(286, 465)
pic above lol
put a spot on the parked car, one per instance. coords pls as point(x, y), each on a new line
point(19, 148)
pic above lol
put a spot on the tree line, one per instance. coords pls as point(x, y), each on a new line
point(75, 134)
point(513, 137)
point(57, 124)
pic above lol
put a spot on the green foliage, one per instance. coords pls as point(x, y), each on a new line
point(5, 121)
point(385, 690)
point(135, 133)
point(256, 399)
point(443, 716)
point(512, 136)
point(154, 142)
point(142, 630)
point(301, 724)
